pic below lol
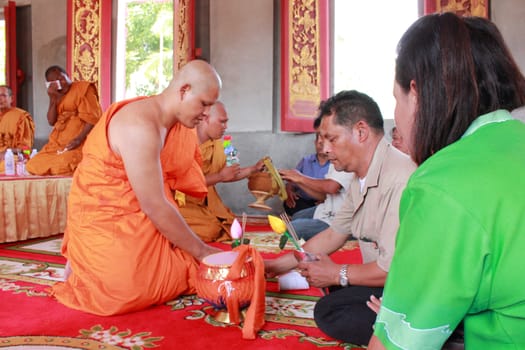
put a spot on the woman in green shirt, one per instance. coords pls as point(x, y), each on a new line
point(459, 248)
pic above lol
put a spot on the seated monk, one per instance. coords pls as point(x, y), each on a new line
point(17, 129)
point(208, 217)
point(126, 244)
point(73, 110)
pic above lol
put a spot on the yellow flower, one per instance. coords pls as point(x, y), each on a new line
point(278, 226)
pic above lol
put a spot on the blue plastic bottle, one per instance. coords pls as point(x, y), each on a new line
point(232, 156)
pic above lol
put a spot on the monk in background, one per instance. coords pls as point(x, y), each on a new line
point(209, 217)
point(126, 244)
point(73, 110)
point(17, 129)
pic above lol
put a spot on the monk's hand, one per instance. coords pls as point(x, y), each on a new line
point(320, 273)
point(269, 267)
point(268, 270)
point(207, 250)
point(273, 268)
point(259, 166)
point(73, 144)
point(230, 173)
point(54, 92)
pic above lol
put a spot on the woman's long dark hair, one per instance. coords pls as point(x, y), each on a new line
point(462, 69)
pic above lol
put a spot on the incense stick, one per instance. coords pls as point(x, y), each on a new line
point(289, 225)
point(295, 238)
point(243, 222)
point(243, 226)
point(292, 233)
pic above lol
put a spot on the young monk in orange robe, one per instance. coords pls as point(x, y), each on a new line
point(73, 110)
point(209, 217)
point(126, 244)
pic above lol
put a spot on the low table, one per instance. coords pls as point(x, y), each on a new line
point(32, 206)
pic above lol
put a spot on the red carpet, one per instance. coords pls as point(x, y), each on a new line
point(30, 319)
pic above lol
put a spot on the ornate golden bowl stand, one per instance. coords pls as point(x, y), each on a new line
point(266, 184)
point(213, 285)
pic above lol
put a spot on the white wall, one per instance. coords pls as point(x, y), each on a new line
point(509, 16)
point(49, 48)
point(241, 49)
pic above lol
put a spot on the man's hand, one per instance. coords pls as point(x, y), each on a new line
point(321, 273)
point(374, 304)
point(292, 175)
point(292, 195)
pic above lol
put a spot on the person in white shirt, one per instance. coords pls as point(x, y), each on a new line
point(329, 192)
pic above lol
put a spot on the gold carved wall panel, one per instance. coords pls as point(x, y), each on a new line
point(479, 8)
point(89, 44)
point(305, 56)
point(183, 27)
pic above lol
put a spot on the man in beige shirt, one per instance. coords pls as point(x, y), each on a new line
point(352, 128)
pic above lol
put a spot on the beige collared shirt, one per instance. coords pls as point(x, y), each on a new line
point(373, 215)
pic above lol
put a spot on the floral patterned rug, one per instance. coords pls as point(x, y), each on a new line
point(30, 319)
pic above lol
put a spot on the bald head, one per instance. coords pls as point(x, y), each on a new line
point(191, 93)
point(217, 109)
point(213, 126)
point(199, 74)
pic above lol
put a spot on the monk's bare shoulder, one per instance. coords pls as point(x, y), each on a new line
point(135, 125)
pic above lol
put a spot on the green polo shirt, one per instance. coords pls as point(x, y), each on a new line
point(460, 245)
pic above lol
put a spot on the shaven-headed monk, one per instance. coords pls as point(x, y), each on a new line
point(209, 217)
point(126, 244)
point(73, 110)
point(17, 129)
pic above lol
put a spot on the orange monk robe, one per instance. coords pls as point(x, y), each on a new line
point(79, 106)
point(17, 130)
point(209, 218)
point(119, 261)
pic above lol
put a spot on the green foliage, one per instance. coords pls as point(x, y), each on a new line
point(149, 46)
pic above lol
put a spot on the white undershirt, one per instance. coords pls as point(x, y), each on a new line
point(362, 184)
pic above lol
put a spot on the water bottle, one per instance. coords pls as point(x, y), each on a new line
point(21, 165)
point(9, 162)
point(232, 156)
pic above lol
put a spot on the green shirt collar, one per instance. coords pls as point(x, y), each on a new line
point(498, 116)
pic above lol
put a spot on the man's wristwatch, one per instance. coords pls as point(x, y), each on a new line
point(343, 279)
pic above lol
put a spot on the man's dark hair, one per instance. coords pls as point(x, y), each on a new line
point(350, 107)
point(317, 121)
